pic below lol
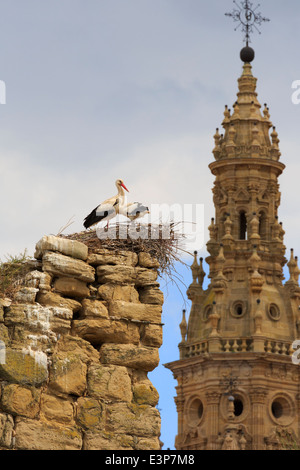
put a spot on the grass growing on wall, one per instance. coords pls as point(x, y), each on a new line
point(12, 271)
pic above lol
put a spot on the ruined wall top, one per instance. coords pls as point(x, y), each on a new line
point(76, 344)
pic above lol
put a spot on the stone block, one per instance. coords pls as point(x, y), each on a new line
point(93, 309)
point(89, 413)
point(71, 287)
point(102, 330)
point(21, 401)
point(151, 295)
point(150, 443)
point(56, 409)
point(128, 293)
point(50, 318)
point(72, 248)
point(148, 261)
point(15, 315)
point(109, 383)
point(131, 311)
point(104, 257)
point(4, 335)
point(133, 419)
point(144, 393)
point(145, 277)
point(129, 355)
point(60, 320)
point(39, 435)
point(68, 375)
point(39, 318)
point(126, 275)
point(24, 367)
point(26, 295)
point(5, 302)
point(6, 430)
point(38, 280)
point(76, 347)
point(116, 274)
point(64, 266)
point(50, 299)
point(152, 335)
point(108, 441)
point(69, 365)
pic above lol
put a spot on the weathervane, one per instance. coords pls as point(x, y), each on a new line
point(247, 17)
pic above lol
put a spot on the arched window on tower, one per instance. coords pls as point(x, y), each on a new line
point(243, 225)
point(263, 225)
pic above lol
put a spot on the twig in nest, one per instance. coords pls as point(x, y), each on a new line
point(64, 227)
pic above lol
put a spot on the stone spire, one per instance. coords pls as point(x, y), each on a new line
point(242, 327)
point(247, 319)
point(245, 225)
point(246, 189)
point(247, 129)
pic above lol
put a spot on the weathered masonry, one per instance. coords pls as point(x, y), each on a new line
point(76, 345)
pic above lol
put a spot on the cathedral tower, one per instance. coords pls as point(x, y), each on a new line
point(238, 387)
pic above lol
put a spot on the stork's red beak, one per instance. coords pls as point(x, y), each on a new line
point(123, 186)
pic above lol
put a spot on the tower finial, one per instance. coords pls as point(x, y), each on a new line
point(248, 18)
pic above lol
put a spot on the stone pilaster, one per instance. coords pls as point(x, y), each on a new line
point(212, 418)
point(258, 402)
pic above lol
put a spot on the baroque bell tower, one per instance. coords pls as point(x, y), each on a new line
point(238, 387)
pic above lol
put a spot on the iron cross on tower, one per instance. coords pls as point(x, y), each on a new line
point(247, 17)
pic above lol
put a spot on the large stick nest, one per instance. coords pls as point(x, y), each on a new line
point(162, 241)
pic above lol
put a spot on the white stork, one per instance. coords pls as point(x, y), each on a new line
point(134, 210)
point(107, 209)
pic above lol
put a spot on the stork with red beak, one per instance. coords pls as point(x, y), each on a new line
point(109, 208)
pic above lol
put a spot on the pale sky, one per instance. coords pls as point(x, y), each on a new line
point(133, 89)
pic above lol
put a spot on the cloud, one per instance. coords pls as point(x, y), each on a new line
point(101, 91)
point(131, 89)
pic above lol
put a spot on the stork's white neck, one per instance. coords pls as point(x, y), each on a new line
point(121, 191)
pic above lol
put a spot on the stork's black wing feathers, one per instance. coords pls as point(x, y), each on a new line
point(100, 213)
point(94, 217)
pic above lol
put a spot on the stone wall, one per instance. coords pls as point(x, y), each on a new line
point(76, 344)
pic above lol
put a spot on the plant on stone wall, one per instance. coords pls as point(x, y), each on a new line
point(11, 273)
